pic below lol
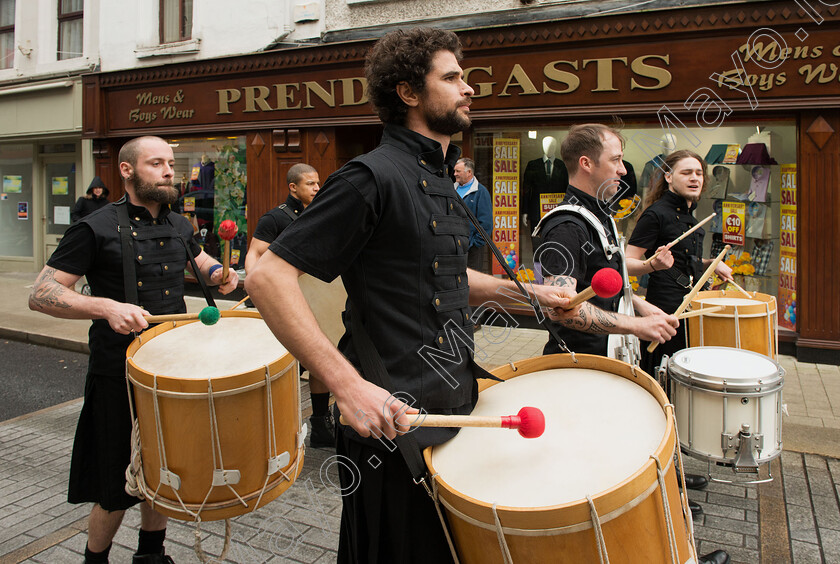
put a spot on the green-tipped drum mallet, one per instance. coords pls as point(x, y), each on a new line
point(208, 316)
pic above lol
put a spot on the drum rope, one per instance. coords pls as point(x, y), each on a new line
point(272, 439)
point(500, 535)
point(688, 520)
point(433, 493)
point(737, 330)
point(216, 443)
point(599, 532)
point(672, 537)
point(200, 551)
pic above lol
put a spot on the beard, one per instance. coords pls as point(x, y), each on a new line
point(160, 192)
point(447, 123)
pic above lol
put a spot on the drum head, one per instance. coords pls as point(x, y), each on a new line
point(234, 345)
point(727, 368)
point(600, 429)
point(729, 301)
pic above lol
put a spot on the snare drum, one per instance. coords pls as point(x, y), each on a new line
point(742, 323)
point(718, 390)
point(218, 416)
point(588, 488)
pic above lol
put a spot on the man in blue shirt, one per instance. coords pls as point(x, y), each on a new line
point(477, 198)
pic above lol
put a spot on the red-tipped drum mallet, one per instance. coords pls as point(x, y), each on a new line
point(227, 231)
point(606, 283)
point(530, 421)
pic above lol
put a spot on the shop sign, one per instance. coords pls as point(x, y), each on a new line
point(506, 201)
point(550, 201)
point(557, 80)
point(733, 223)
point(787, 248)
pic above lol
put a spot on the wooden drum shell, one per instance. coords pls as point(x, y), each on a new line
point(632, 533)
point(242, 415)
point(756, 324)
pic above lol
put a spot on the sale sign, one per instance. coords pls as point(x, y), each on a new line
point(506, 201)
point(733, 223)
point(787, 248)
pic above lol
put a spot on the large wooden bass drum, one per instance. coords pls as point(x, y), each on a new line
point(600, 484)
point(218, 420)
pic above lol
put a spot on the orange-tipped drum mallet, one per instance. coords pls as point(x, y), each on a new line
point(227, 231)
point(530, 421)
point(606, 283)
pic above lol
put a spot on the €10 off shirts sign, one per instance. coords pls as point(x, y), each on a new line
point(506, 201)
point(733, 223)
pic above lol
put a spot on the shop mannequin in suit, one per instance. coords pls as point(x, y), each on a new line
point(546, 175)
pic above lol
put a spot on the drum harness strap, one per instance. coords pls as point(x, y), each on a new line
point(543, 320)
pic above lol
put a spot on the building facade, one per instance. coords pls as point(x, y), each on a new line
point(45, 47)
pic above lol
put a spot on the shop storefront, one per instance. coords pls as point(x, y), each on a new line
point(41, 166)
point(718, 80)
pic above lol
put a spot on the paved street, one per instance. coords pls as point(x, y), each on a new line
point(794, 518)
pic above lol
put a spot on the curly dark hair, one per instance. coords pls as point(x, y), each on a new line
point(404, 55)
point(668, 164)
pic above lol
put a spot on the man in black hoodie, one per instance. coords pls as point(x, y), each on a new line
point(96, 197)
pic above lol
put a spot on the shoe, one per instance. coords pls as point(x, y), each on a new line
point(695, 508)
point(158, 558)
point(716, 557)
point(323, 432)
point(694, 481)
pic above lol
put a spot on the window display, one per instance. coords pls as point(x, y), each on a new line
point(752, 182)
point(211, 174)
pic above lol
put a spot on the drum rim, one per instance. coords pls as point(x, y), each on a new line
point(575, 512)
point(696, 380)
point(231, 382)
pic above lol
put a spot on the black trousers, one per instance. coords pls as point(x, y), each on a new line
point(386, 518)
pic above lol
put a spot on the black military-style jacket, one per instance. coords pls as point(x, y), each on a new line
point(160, 258)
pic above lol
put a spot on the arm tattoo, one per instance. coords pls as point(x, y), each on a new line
point(48, 292)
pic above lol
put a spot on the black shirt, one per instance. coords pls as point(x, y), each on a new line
point(275, 220)
point(662, 222)
point(391, 225)
point(571, 247)
point(98, 256)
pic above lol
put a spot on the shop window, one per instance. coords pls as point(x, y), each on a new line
point(7, 33)
point(211, 174)
point(70, 29)
point(748, 184)
point(175, 20)
point(16, 214)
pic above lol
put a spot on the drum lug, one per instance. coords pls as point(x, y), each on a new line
point(662, 371)
point(746, 443)
point(276, 463)
point(225, 477)
point(170, 478)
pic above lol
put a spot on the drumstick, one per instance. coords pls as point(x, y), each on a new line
point(690, 296)
point(741, 289)
point(530, 421)
point(680, 238)
point(240, 302)
point(698, 312)
point(605, 283)
point(208, 316)
point(227, 231)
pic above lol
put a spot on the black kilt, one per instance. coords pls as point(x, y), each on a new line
point(387, 518)
point(102, 447)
